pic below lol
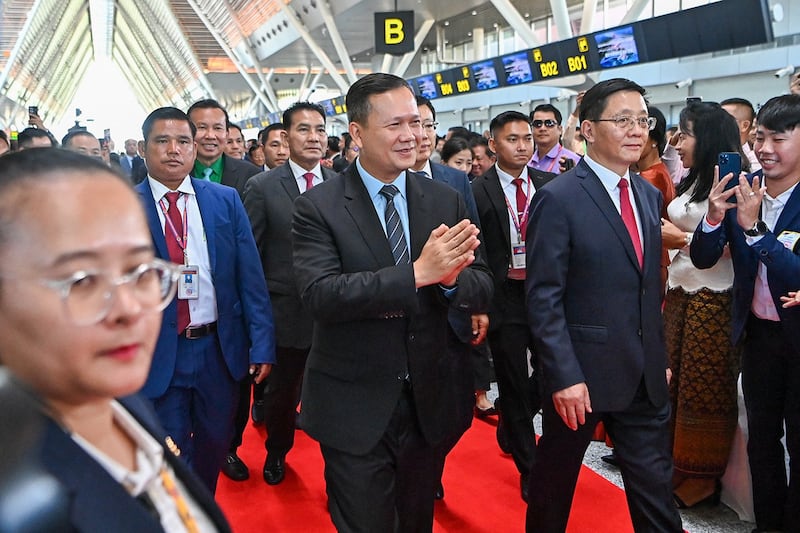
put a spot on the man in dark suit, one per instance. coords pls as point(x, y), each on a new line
point(380, 254)
point(220, 325)
point(130, 160)
point(269, 200)
point(594, 305)
point(212, 164)
point(762, 229)
point(503, 194)
point(465, 330)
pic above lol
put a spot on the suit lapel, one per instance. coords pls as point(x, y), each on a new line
point(498, 199)
point(599, 195)
point(205, 202)
point(153, 222)
point(418, 205)
point(790, 211)
point(288, 182)
point(362, 210)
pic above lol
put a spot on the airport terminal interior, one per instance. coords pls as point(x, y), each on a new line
point(472, 58)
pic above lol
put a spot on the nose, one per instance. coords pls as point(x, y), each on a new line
point(124, 304)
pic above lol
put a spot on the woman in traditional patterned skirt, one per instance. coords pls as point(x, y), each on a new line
point(697, 315)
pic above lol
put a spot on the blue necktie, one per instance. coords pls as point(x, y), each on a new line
point(394, 229)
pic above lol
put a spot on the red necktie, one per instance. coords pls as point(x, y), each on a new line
point(629, 220)
point(522, 198)
point(309, 176)
point(176, 252)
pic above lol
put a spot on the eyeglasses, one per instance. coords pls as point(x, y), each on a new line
point(628, 122)
point(88, 295)
point(430, 125)
point(550, 123)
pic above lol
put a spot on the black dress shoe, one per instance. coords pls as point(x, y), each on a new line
point(257, 412)
point(439, 492)
point(274, 470)
point(235, 468)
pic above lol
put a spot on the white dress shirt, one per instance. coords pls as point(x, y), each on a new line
point(298, 171)
point(202, 310)
point(610, 181)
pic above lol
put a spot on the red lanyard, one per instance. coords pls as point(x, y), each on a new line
point(520, 222)
point(182, 242)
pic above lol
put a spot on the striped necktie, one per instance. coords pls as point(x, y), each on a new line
point(394, 229)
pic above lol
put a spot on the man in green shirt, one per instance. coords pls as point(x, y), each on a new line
point(211, 163)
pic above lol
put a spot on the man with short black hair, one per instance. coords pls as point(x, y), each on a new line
point(34, 138)
point(212, 164)
point(83, 142)
point(219, 329)
point(482, 157)
point(380, 255)
point(269, 200)
point(548, 153)
point(274, 145)
point(593, 295)
point(762, 230)
point(503, 194)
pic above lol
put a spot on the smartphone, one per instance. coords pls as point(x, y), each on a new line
point(33, 110)
point(568, 164)
point(693, 99)
point(730, 162)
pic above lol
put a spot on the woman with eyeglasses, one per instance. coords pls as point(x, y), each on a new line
point(697, 316)
point(81, 295)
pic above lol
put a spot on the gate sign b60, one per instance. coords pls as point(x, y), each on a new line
point(394, 32)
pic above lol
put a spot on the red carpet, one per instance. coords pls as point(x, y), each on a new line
point(481, 492)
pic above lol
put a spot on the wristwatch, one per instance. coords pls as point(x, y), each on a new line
point(759, 228)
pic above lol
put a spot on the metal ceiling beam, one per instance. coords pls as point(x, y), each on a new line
point(561, 17)
point(338, 42)
point(137, 71)
point(75, 52)
point(516, 21)
point(12, 58)
point(101, 15)
point(386, 64)
point(315, 48)
point(634, 12)
point(419, 38)
point(231, 54)
point(587, 19)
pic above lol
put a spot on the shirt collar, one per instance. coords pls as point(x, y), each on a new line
point(608, 178)
point(506, 178)
point(217, 167)
point(298, 171)
point(159, 189)
point(426, 169)
point(552, 154)
point(782, 198)
point(374, 185)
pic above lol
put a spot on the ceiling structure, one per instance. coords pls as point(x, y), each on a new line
point(245, 53)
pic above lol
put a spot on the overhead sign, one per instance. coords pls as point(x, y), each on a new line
point(394, 32)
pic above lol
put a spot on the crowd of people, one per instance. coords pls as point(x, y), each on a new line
point(603, 271)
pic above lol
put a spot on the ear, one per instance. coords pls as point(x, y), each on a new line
point(587, 130)
point(355, 132)
point(492, 145)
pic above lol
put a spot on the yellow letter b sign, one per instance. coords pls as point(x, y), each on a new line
point(394, 32)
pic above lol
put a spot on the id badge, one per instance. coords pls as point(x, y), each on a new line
point(189, 283)
point(518, 255)
point(789, 239)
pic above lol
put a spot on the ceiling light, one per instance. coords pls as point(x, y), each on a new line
point(474, 12)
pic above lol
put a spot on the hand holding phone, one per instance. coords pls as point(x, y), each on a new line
point(730, 162)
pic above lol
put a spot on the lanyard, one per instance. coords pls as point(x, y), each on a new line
point(520, 222)
point(558, 156)
point(182, 242)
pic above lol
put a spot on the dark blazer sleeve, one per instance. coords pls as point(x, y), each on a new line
point(332, 295)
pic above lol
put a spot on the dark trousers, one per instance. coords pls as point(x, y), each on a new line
point(771, 385)
point(199, 407)
point(281, 397)
point(481, 368)
point(519, 397)
point(391, 487)
point(641, 439)
point(243, 408)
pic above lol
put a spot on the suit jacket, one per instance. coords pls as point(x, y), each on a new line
point(235, 173)
point(496, 236)
point(99, 503)
point(129, 167)
point(594, 314)
point(370, 322)
point(783, 264)
point(244, 324)
point(269, 200)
